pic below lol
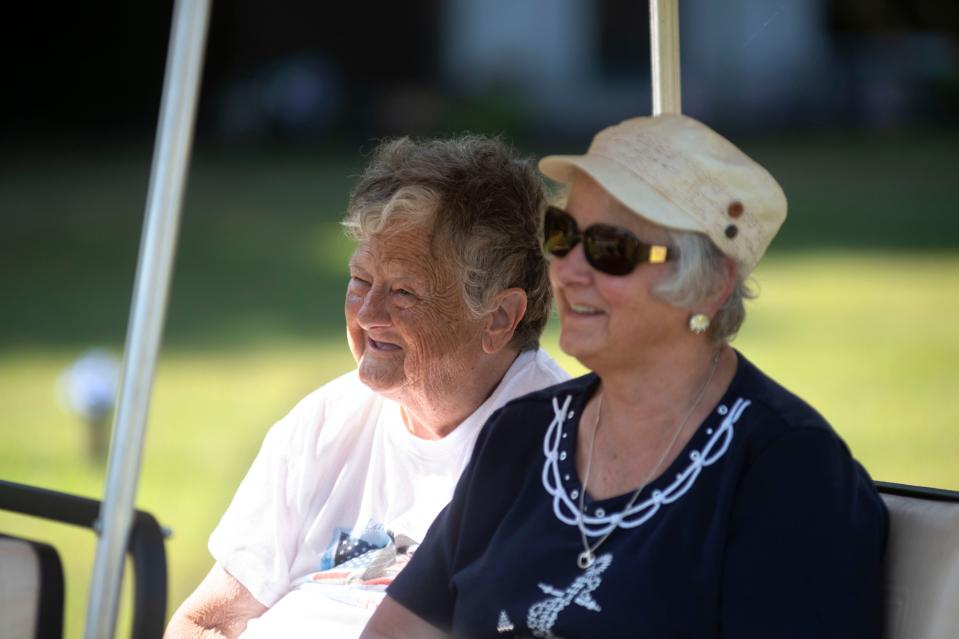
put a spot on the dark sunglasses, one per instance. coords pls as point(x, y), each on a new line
point(609, 249)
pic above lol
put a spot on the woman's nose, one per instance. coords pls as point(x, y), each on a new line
point(373, 312)
point(572, 268)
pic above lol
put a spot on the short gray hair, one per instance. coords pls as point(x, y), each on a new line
point(698, 273)
point(482, 205)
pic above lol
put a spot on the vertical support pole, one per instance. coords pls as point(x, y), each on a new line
point(664, 55)
point(164, 200)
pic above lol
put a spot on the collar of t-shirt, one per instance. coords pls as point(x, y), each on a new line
point(468, 429)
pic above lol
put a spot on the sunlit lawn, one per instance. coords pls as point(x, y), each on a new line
point(864, 333)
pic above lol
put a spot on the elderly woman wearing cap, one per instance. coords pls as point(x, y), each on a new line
point(676, 491)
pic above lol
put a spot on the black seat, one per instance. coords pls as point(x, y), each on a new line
point(144, 546)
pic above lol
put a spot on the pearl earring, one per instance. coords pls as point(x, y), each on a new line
point(698, 323)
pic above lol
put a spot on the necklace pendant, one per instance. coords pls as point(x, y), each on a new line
point(585, 559)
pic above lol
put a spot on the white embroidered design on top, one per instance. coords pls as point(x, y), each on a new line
point(565, 507)
point(504, 624)
point(542, 614)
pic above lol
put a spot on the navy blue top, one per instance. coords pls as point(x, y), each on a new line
point(764, 526)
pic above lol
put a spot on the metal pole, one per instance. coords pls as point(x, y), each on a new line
point(164, 200)
point(664, 55)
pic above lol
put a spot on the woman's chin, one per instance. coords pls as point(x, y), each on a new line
point(379, 378)
point(577, 345)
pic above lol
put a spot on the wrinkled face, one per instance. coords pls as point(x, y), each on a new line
point(608, 321)
point(407, 324)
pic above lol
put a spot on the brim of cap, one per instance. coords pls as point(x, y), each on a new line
point(629, 188)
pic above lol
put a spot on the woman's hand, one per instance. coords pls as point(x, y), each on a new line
point(220, 607)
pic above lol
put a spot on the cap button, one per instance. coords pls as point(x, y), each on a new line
point(735, 209)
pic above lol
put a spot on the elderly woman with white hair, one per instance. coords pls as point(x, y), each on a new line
point(676, 491)
point(447, 297)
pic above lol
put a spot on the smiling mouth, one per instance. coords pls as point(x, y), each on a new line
point(382, 346)
point(583, 309)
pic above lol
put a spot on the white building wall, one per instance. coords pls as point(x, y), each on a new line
point(753, 57)
point(531, 45)
point(741, 59)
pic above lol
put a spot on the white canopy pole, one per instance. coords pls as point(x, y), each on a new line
point(164, 199)
point(664, 55)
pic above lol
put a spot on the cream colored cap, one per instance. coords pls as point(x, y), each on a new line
point(678, 173)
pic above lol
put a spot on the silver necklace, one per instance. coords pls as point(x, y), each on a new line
point(586, 558)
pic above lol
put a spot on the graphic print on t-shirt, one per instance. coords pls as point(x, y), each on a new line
point(370, 559)
point(345, 547)
point(543, 614)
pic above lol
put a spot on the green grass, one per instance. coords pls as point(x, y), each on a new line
point(856, 315)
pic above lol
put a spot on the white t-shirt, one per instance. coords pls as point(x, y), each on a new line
point(339, 495)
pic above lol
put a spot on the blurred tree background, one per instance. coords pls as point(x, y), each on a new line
point(852, 105)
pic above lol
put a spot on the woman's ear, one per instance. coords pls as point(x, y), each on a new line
point(719, 297)
point(509, 308)
point(715, 300)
